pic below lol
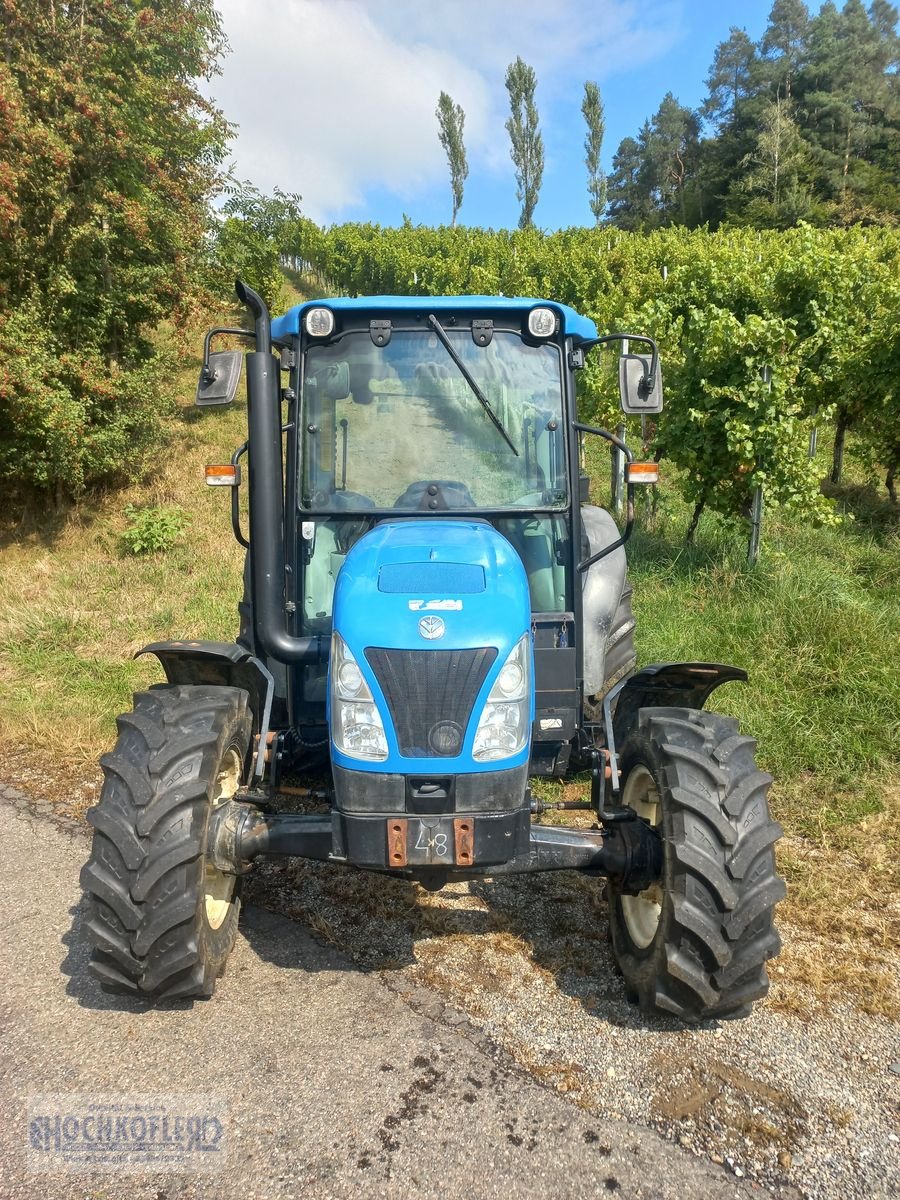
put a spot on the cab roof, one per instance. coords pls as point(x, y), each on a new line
point(573, 324)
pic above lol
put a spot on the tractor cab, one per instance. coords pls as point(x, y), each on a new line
point(445, 599)
point(447, 409)
point(439, 419)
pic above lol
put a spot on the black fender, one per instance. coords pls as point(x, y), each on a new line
point(224, 663)
point(669, 685)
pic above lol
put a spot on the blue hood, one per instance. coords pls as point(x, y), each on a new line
point(404, 572)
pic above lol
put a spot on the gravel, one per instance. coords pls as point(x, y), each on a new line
point(810, 1101)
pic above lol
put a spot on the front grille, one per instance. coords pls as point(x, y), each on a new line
point(430, 694)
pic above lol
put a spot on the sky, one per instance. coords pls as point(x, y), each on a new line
point(335, 99)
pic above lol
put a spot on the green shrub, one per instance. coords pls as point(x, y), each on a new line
point(154, 528)
point(69, 420)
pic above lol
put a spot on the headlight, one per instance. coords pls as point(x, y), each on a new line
point(349, 680)
point(356, 725)
point(542, 322)
point(503, 728)
point(319, 322)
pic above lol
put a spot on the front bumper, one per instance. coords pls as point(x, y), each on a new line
point(501, 791)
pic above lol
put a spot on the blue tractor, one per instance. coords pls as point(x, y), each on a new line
point(433, 613)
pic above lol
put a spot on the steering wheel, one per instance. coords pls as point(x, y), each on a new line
point(436, 494)
point(340, 501)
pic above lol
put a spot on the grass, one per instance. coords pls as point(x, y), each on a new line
point(816, 624)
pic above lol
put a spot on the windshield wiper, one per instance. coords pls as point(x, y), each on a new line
point(464, 371)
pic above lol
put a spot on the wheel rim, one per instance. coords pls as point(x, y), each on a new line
point(642, 912)
point(218, 888)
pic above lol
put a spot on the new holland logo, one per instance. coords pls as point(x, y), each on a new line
point(431, 628)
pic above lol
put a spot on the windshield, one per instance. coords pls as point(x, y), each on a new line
point(399, 426)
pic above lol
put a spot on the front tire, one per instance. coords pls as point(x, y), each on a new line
point(161, 920)
point(696, 943)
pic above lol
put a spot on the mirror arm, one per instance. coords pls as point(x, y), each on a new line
point(235, 499)
point(206, 374)
point(649, 380)
point(629, 509)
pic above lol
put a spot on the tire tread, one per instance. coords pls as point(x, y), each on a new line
point(144, 878)
point(717, 930)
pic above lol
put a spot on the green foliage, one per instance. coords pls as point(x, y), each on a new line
point(110, 154)
point(68, 418)
point(654, 178)
point(805, 125)
point(760, 333)
point(815, 625)
point(592, 111)
point(527, 145)
point(257, 231)
point(451, 122)
point(153, 529)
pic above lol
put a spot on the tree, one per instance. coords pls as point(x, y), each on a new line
point(848, 89)
point(671, 160)
point(730, 78)
point(256, 233)
point(451, 120)
point(629, 199)
point(527, 148)
point(110, 156)
point(776, 168)
point(654, 180)
point(592, 110)
point(784, 43)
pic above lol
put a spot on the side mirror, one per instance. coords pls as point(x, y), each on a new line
point(219, 378)
point(332, 382)
point(634, 394)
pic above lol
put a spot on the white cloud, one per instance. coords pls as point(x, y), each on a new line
point(334, 97)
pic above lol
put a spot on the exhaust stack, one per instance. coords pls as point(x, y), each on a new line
point(266, 484)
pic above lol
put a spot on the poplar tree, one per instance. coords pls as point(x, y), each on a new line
point(592, 110)
point(527, 149)
point(451, 120)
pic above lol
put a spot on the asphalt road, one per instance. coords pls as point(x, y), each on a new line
point(329, 1083)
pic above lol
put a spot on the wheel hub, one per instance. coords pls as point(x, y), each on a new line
point(218, 887)
point(642, 912)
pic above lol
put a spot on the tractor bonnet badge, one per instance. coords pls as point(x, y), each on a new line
point(431, 628)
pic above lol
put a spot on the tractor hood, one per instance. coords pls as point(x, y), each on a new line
point(430, 611)
point(432, 584)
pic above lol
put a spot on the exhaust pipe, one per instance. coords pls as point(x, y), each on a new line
point(266, 489)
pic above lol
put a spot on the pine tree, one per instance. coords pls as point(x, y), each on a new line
point(451, 120)
point(630, 206)
point(592, 109)
point(527, 148)
point(672, 158)
point(784, 43)
point(730, 78)
point(848, 89)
